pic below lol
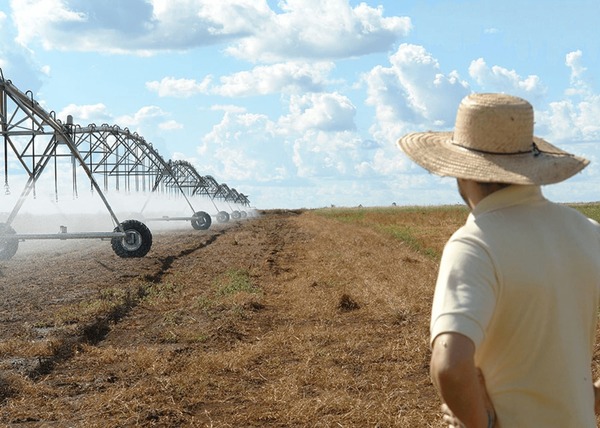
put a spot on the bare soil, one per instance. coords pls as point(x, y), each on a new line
point(284, 320)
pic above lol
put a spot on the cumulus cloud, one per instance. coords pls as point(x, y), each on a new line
point(33, 19)
point(319, 111)
point(135, 25)
point(578, 78)
point(16, 61)
point(321, 131)
point(143, 115)
point(290, 77)
point(179, 88)
point(340, 31)
point(323, 154)
point(86, 114)
point(228, 108)
point(574, 62)
point(287, 78)
point(254, 30)
point(500, 79)
point(341, 155)
point(170, 125)
point(315, 140)
point(412, 94)
point(244, 146)
point(149, 122)
point(574, 118)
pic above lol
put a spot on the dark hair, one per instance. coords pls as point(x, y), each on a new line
point(495, 184)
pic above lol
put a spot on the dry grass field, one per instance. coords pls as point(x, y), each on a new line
point(309, 318)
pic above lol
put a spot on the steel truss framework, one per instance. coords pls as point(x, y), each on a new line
point(134, 165)
point(110, 158)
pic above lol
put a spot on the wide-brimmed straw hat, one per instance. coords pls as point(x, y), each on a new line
point(492, 141)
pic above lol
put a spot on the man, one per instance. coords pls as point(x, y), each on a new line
point(515, 307)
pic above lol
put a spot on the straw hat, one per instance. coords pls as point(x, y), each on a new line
point(492, 141)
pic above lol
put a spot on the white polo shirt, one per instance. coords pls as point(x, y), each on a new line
point(521, 279)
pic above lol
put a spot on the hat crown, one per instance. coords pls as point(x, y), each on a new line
point(494, 123)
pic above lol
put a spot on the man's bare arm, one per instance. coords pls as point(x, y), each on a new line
point(457, 380)
point(597, 397)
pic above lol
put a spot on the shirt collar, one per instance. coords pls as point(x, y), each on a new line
point(507, 197)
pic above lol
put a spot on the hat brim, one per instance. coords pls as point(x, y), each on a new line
point(436, 152)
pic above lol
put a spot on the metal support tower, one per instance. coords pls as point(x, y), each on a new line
point(36, 139)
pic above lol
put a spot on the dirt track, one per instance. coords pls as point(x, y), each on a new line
point(333, 331)
point(47, 276)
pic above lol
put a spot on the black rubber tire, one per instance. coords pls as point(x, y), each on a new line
point(137, 243)
point(201, 220)
point(222, 217)
point(235, 215)
point(244, 214)
point(8, 246)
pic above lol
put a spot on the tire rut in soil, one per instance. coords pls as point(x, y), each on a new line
point(167, 262)
point(95, 332)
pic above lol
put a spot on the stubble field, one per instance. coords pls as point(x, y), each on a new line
point(291, 319)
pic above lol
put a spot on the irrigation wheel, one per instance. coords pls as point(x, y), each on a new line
point(222, 217)
point(201, 221)
point(235, 215)
point(137, 241)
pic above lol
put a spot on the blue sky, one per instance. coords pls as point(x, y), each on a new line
point(298, 103)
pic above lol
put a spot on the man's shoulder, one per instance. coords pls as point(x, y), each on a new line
point(572, 213)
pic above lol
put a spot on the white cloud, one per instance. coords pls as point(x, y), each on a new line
point(579, 83)
point(557, 122)
point(86, 114)
point(170, 125)
point(16, 61)
point(34, 19)
point(326, 154)
point(573, 61)
point(319, 111)
point(291, 77)
point(150, 122)
point(139, 26)
point(386, 161)
point(4, 37)
point(236, 165)
point(342, 156)
point(316, 140)
point(499, 79)
point(179, 88)
point(412, 94)
point(228, 108)
point(574, 118)
point(143, 115)
point(256, 31)
point(244, 146)
point(430, 93)
point(318, 29)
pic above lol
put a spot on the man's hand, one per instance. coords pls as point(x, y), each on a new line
point(487, 401)
point(449, 418)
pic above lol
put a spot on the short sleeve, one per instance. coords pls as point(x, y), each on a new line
point(465, 292)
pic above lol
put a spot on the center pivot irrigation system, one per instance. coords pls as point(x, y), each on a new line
point(109, 158)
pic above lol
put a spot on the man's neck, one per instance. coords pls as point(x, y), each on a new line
point(473, 192)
